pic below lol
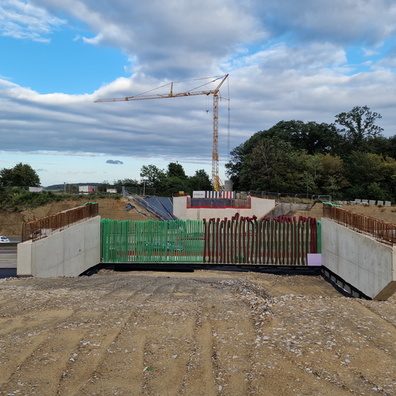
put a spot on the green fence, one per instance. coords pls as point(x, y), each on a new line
point(284, 241)
point(150, 241)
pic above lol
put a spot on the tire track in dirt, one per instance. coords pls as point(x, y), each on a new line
point(199, 378)
point(167, 352)
point(87, 370)
point(204, 337)
point(234, 334)
point(65, 332)
point(13, 355)
point(32, 374)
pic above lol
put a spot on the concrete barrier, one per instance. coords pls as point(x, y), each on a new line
point(360, 260)
point(68, 252)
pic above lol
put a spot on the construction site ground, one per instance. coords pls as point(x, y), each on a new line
point(193, 333)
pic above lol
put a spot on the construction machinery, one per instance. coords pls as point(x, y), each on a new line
point(193, 92)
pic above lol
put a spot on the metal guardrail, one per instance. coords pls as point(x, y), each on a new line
point(41, 228)
point(381, 230)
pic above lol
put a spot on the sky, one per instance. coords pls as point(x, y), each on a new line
point(305, 60)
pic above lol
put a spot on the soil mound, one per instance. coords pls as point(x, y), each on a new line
point(109, 208)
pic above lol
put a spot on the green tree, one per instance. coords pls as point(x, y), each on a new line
point(200, 181)
point(277, 144)
point(174, 181)
point(371, 176)
point(266, 166)
point(311, 136)
point(152, 174)
point(127, 183)
point(358, 125)
point(21, 175)
point(176, 170)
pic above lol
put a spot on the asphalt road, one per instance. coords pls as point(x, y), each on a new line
point(8, 258)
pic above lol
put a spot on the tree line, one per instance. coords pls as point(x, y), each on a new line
point(347, 159)
point(165, 182)
point(14, 183)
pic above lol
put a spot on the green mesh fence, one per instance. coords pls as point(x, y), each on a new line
point(152, 241)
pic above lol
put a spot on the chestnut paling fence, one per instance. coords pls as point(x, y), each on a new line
point(282, 241)
point(40, 228)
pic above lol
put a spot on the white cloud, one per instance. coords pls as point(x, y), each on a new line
point(22, 20)
point(337, 21)
point(167, 38)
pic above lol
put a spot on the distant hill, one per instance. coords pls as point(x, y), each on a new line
point(62, 187)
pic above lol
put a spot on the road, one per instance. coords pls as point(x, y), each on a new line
point(8, 258)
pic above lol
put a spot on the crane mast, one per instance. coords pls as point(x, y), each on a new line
point(215, 92)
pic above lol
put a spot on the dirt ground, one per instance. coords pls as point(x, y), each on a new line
point(385, 213)
point(202, 333)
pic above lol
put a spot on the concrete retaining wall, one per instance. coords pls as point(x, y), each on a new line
point(284, 208)
point(260, 207)
point(360, 260)
point(69, 252)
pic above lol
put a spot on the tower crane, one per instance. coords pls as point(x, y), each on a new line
point(215, 92)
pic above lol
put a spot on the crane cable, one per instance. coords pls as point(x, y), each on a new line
point(228, 118)
point(214, 79)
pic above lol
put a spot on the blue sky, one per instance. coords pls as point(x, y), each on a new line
point(77, 67)
point(306, 60)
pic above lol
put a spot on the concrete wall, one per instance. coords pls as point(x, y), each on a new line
point(69, 252)
point(360, 260)
point(284, 208)
point(260, 207)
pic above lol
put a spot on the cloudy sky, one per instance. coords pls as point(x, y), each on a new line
point(304, 60)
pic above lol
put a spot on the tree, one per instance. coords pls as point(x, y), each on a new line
point(176, 170)
point(371, 176)
point(312, 137)
point(21, 175)
point(359, 125)
point(126, 183)
point(200, 181)
point(280, 140)
point(266, 166)
point(152, 174)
